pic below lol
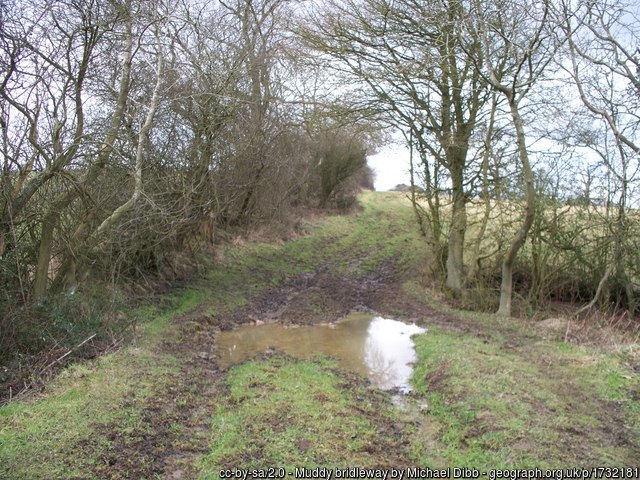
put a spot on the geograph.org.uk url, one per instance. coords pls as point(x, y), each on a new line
point(564, 473)
point(323, 473)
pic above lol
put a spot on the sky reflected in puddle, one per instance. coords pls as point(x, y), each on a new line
point(378, 348)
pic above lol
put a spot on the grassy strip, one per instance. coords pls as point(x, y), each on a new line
point(383, 230)
point(287, 413)
point(543, 405)
point(47, 438)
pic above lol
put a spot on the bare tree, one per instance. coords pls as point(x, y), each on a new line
point(602, 48)
point(416, 64)
point(48, 53)
point(141, 140)
point(517, 49)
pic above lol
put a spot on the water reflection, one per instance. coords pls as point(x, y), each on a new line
point(376, 347)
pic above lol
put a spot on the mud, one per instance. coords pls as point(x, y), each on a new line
point(175, 426)
point(157, 449)
point(322, 296)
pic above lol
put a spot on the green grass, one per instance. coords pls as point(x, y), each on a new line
point(59, 429)
point(288, 413)
point(534, 406)
point(53, 437)
point(356, 244)
point(385, 230)
point(491, 395)
point(154, 317)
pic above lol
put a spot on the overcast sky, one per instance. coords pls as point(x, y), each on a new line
point(391, 166)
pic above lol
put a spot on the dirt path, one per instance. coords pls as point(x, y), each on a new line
point(160, 450)
point(320, 296)
point(489, 392)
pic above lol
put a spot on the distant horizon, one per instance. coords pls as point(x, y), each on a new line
point(391, 167)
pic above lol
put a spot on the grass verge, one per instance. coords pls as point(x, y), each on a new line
point(54, 434)
point(291, 413)
point(543, 404)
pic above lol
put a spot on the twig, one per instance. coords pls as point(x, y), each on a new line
point(68, 353)
point(601, 285)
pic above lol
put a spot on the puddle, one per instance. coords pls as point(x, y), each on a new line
point(378, 348)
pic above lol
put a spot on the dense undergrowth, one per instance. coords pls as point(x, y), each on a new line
point(570, 249)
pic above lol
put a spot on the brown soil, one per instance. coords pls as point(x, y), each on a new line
point(322, 296)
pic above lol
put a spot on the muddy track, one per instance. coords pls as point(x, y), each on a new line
point(380, 292)
point(322, 296)
point(176, 421)
point(325, 296)
point(158, 448)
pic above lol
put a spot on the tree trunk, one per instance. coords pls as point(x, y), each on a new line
point(417, 209)
point(474, 263)
point(119, 212)
point(44, 257)
point(455, 248)
point(475, 251)
point(506, 288)
point(52, 217)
